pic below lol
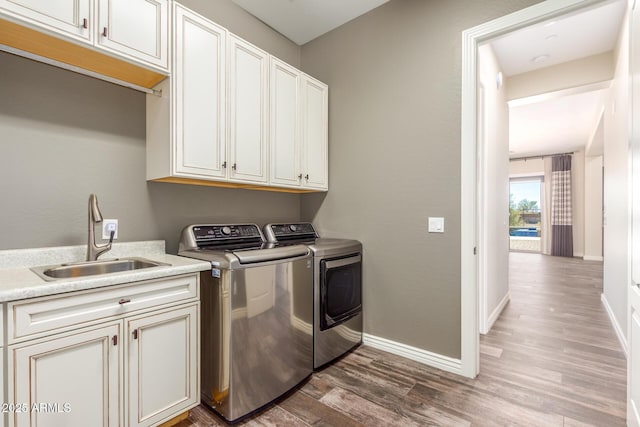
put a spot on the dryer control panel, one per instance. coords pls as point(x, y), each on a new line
point(291, 231)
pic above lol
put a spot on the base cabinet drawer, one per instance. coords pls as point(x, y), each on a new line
point(32, 318)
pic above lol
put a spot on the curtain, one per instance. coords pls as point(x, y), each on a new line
point(545, 208)
point(561, 215)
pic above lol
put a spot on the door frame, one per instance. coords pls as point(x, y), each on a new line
point(472, 171)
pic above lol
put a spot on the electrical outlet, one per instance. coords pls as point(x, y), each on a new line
point(109, 225)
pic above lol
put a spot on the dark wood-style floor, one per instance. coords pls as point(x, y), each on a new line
point(551, 359)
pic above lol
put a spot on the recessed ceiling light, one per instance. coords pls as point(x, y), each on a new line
point(548, 24)
point(540, 58)
point(551, 37)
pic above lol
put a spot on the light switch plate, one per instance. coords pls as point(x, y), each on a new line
point(436, 225)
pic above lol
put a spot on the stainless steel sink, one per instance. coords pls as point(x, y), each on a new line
point(92, 268)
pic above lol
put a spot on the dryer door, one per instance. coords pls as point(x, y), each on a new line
point(340, 289)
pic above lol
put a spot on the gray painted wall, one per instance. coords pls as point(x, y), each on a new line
point(394, 159)
point(64, 136)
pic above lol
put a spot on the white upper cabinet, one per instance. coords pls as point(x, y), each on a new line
point(314, 134)
point(248, 112)
point(231, 115)
point(136, 31)
point(199, 96)
point(285, 132)
point(136, 28)
point(72, 18)
point(299, 124)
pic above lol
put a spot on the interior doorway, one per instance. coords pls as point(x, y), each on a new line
point(472, 150)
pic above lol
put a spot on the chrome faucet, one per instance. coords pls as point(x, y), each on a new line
point(95, 217)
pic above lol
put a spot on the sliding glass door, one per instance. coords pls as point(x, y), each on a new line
point(525, 225)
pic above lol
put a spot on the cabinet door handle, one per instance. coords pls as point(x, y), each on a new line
point(306, 177)
point(104, 32)
point(224, 164)
point(115, 340)
point(300, 176)
point(85, 23)
point(235, 166)
point(124, 300)
point(135, 334)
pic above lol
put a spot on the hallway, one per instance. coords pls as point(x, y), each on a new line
point(555, 340)
point(551, 359)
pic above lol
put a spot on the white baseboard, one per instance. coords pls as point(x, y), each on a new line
point(496, 313)
point(616, 325)
point(592, 258)
point(578, 255)
point(435, 360)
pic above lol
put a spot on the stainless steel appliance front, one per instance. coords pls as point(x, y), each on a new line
point(337, 288)
point(257, 325)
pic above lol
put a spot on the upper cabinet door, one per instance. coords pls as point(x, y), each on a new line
point(285, 138)
point(314, 134)
point(70, 18)
point(248, 118)
point(136, 28)
point(200, 102)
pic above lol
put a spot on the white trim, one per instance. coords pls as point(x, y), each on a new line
point(482, 231)
point(435, 360)
point(496, 313)
point(616, 325)
point(592, 258)
point(471, 38)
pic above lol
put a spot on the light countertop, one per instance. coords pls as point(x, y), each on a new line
point(18, 282)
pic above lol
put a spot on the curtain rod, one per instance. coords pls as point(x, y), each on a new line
point(540, 157)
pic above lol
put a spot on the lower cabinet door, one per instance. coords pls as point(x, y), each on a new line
point(162, 377)
point(67, 381)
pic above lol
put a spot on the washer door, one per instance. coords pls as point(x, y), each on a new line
point(340, 289)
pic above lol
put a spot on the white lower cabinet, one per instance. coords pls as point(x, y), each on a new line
point(3, 397)
point(136, 368)
point(162, 365)
point(73, 380)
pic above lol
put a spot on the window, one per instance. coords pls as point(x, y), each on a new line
point(525, 226)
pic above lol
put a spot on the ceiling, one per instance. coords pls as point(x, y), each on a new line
point(564, 121)
point(569, 120)
point(558, 125)
point(560, 40)
point(303, 20)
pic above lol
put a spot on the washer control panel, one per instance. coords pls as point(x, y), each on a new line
point(280, 232)
point(226, 232)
